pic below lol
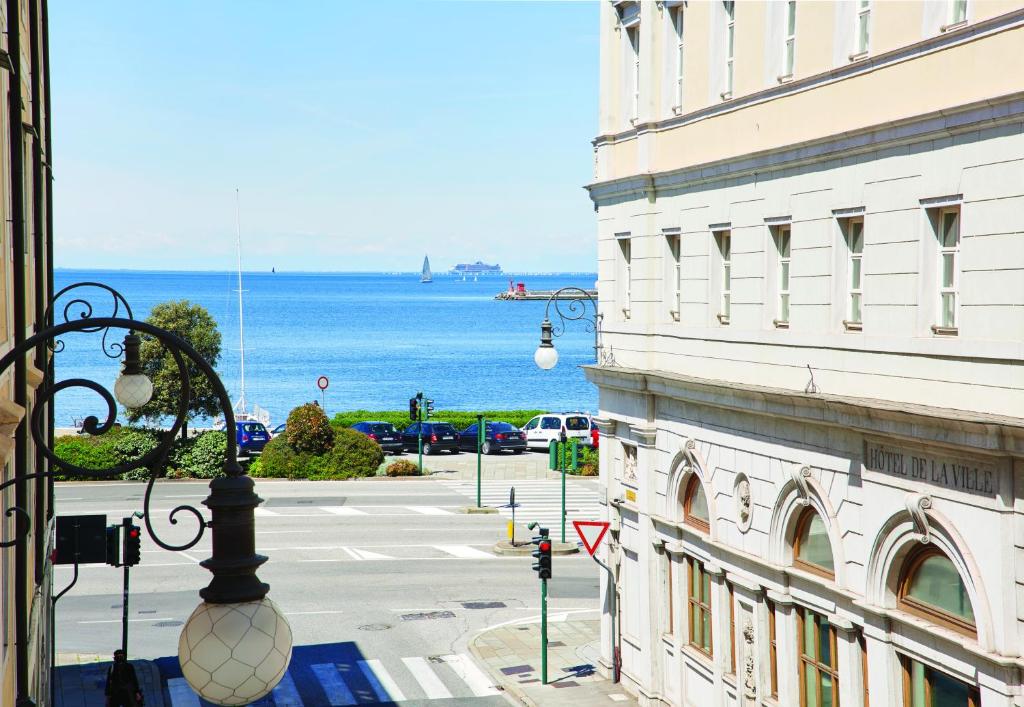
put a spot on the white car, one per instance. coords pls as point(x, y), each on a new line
point(541, 430)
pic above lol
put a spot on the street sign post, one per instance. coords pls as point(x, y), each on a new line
point(591, 533)
point(322, 384)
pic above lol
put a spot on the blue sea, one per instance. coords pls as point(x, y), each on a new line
point(378, 337)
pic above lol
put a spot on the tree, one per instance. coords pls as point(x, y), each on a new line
point(195, 325)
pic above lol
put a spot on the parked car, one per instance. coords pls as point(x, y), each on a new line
point(595, 436)
point(499, 436)
point(437, 437)
point(279, 430)
point(383, 433)
point(541, 430)
point(251, 437)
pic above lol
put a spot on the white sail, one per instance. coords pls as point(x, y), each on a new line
point(427, 276)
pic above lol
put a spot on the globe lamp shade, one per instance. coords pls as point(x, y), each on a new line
point(545, 357)
point(133, 390)
point(234, 654)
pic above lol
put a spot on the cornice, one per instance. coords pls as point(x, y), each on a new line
point(944, 427)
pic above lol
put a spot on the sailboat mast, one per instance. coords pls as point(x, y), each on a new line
point(240, 406)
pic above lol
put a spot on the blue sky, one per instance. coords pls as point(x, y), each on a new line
point(361, 135)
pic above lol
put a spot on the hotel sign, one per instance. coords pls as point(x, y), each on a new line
point(953, 473)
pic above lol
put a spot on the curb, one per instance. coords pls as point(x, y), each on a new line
point(497, 678)
point(474, 510)
point(525, 550)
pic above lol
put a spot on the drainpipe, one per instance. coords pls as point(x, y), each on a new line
point(21, 581)
point(39, 263)
point(49, 226)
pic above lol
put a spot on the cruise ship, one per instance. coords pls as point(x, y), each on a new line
point(476, 268)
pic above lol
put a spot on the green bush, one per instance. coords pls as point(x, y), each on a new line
point(256, 467)
point(354, 454)
point(280, 461)
point(85, 452)
point(309, 430)
point(402, 467)
point(130, 444)
point(461, 419)
point(588, 461)
point(200, 457)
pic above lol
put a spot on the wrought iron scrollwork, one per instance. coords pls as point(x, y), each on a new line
point(78, 304)
point(153, 461)
point(578, 307)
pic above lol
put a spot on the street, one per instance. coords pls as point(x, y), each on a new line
point(381, 579)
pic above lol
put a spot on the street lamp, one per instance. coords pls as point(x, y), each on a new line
point(546, 355)
point(236, 645)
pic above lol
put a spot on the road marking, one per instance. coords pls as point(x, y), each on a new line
point(430, 510)
point(507, 558)
point(463, 551)
point(342, 511)
point(117, 621)
point(264, 513)
point(286, 694)
point(432, 686)
point(351, 553)
point(466, 669)
point(182, 694)
point(384, 686)
point(367, 555)
point(188, 557)
point(334, 687)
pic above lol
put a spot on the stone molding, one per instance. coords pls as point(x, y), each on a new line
point(644, 435)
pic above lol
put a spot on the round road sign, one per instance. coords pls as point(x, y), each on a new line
point(322, 382)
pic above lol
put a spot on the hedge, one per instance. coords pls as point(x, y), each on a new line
point(199, 457)
point(353, 454)
point(461, 419)
point(402, 467)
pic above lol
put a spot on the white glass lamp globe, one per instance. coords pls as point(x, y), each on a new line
point(234, 654)
point(545, 357)
point(133, 390)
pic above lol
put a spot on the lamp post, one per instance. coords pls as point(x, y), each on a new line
point(546, 355)
point(236, 645)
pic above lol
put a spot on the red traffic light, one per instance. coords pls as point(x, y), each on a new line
point(545, 547)
point(134, 532)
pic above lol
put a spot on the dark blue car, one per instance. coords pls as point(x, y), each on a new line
point(500, 435)
point(251, 437)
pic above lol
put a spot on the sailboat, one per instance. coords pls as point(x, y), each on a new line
point(242, 413)
point(426, 276)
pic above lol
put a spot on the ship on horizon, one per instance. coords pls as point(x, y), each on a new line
point(477, 268)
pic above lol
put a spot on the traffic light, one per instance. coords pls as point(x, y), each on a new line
point(430, 407)
point(132, 545)
point(414, 408)
point(113, 540)
point(542, 554)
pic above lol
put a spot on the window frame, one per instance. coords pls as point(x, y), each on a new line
point(953, 290)
point(697, 607)
point(806, 516)
point(931, 613)
point(671, 596)
point(813, 662)
point(862, 21)
point(773, 650)
point(633, 40)
point(625, 243)
point(906, 668)
point(957, 14)
point(862, 644)
point(692, 487)
point(674, 242)
point(729, 6)
point(730, 592)
point(678, 21)
point(854, 257)
point(723, 241)
point(782, 234)
point(789, 41)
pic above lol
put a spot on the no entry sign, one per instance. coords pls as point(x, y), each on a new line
point(322, 382)
point(591, 532)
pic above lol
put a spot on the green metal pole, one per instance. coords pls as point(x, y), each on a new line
point(481, 434)
point(563, 503)
point(419, 431)
point(544, 632)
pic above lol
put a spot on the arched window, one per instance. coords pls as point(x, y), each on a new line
point(695, 505)
point(930, 587)
point(812, 550)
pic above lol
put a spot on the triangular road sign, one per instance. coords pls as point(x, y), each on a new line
point(591, 532)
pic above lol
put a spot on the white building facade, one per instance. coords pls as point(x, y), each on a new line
point(811, 274)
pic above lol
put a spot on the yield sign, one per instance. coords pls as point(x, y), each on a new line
point(591, 532)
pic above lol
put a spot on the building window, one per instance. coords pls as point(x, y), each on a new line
point(930, 587)
point(732, 625)
point(923, 686)
point(948, 225)
point(855, 249)
point(781, 236)
point(790, 46)
point(677, 25)
point(819, 665)
point(863, 646)
point(811, 548)
point(625, 276)
point(724, 241)
point(773, 651)
point(863, 30)
point(730, 35)
point(670, 617)
point(674, 291)
point(699, 600)
point(695, 505)
point(633, 35)
point(957, 12)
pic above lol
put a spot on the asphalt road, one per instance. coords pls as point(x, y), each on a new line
point(373, 570)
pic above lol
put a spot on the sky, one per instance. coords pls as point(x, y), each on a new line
point(359, 135)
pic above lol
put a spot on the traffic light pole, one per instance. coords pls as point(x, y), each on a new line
point(481, 435)
point(126, 524)
point(419, 429)
point(544, 632)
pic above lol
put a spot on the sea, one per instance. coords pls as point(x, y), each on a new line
point(378, 339)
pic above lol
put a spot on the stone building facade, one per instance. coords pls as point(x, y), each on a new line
point(811, 274)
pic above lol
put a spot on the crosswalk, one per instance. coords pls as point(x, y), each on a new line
point(353, 680)
point(353, 511)
point(537, 500)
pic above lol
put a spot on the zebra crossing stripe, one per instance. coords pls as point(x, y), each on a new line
point(343, 511)
point(182, 694)
point(383, 685)
point(286, 694)
point(466, 669)
point(265, 513)
point(432, 686)
point(369, 555)
point(430, 510)
point(464, 551)
point(335, 689)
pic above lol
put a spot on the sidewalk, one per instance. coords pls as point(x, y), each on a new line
point(78, 681)
point(511, 655)
point(529, 465)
